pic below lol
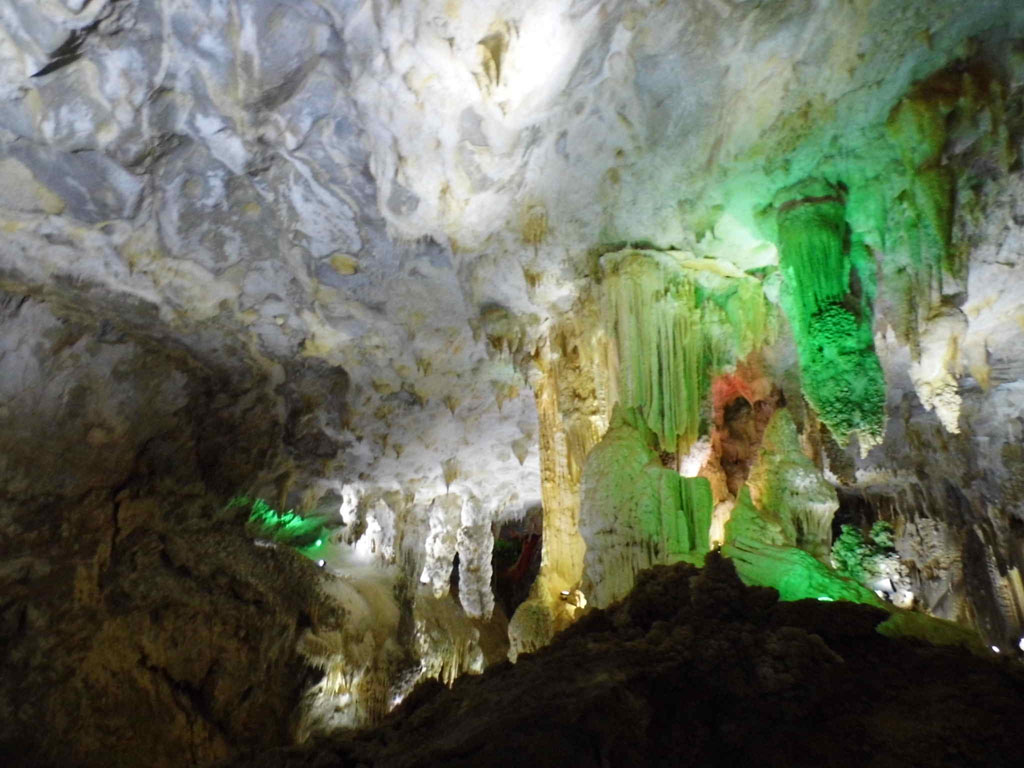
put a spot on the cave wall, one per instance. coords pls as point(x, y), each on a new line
point(133, 603)
point(954, 496)
point(948, 480)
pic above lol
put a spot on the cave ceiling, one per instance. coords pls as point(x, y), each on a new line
point(392, 217)
point(410, 191)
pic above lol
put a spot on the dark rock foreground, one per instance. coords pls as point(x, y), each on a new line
point(696, 669)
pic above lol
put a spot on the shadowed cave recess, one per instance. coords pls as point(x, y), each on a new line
point(599, 383)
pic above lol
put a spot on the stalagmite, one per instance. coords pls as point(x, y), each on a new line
point(572, 394)
point(787, 487)
point(635, 513)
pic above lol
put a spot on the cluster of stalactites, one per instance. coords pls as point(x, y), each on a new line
point(827, 297)
point(676, 322)
point(961, 104)
point(954, 118)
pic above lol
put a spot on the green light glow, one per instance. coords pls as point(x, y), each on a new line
point(855, 556)
point(930, 629)
point(909, 163)
point(306, 534)
point(917, 125)
point(761, 559)
point(678, 321)
point(826, 302)
point(962, 105)
point(796, 575)
point(625, 487)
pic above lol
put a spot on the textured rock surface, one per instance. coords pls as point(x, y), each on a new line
point(139, 624)
point(955, 497)
point(635, 513)
point(210, 168)
point(347, 255)
point(179, 649)
point(696, 669)
point(395, 191)
point(90, 407)
point(787, 485)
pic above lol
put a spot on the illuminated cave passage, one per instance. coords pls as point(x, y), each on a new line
point(448, 383)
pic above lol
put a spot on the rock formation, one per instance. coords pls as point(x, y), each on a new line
point(696, 669)
point(630, 280)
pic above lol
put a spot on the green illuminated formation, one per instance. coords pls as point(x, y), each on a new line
point(625, 475)
point(677, 321)
point(755, 544)
point(794, 573)
point(917, 126)
point(825, 299)
point(749, 523)
point(920, 125)
point(781, 540)
point(798, 576)
point(931, 629)
point(855, 556)
point(908, 171)
point(306, 534)
point(688, 528)
point(767, 562)
point(635, 513)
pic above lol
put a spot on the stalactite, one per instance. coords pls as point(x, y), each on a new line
point(917, 125)
point(475, 542)
point(963, 104)
point(830, 312)
point(676, 322)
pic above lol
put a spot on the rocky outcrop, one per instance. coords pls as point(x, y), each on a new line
point(949, 479)
point(139, 623)
point(696, 669)
point(173, 644)
point(795, 502)
point(635, 513)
